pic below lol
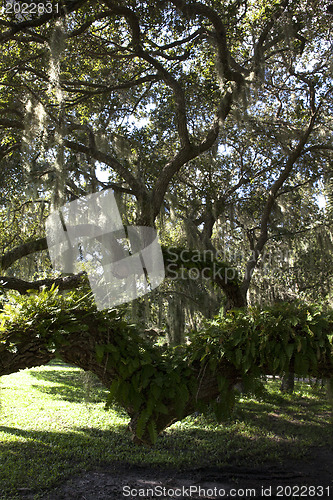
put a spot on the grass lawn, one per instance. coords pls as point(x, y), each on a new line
point(53, 424)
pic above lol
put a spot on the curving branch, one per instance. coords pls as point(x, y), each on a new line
point(23, 287)
point(89, 340)
point(135, 184)
point(8, 259)
point(178, 93)
point(273, 194)
point(21, 27)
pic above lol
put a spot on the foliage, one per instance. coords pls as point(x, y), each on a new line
point(144, 375)
point(210, 120)
point(155, 382)
point(47, 314)
point(50, 432)
point(275, 339)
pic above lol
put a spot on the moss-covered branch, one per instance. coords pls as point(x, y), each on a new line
point(156, 385)
point(178, 262)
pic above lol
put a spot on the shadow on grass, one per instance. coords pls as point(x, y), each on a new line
point(77, 433)
point(290, 416)
point(37, 460)
point(70, 384)
point(268, 431)
point(284, 418)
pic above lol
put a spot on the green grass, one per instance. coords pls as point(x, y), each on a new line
point(53, 425)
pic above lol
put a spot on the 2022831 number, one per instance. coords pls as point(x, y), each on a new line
point(30, 8)
point(302, 491)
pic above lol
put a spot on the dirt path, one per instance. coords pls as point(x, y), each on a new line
point(121, 481)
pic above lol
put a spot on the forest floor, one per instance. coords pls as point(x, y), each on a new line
point(292, 479)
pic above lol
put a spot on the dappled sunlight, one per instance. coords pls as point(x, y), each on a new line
point(46, 422)
point(166, 201)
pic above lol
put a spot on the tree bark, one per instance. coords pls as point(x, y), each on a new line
point(225, 277)
point(26, 349)
point(288, 382)
point(35, 346)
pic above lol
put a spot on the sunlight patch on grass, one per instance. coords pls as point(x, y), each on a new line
point(53, 424)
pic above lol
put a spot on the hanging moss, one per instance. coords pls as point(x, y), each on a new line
point(57, 46)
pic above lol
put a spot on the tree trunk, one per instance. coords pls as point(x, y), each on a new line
point(288, 382)
point(235, 297)
point(176, 319)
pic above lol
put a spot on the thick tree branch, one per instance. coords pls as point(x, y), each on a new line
point(137, 186)
point(273, 193)
point(22, 286)
point(130, 17)
point(23, 250)
point(178, 93)
point(16, 27)
point(28, 347)
point(163, 180)
point(188, 153)
point(259, 48)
